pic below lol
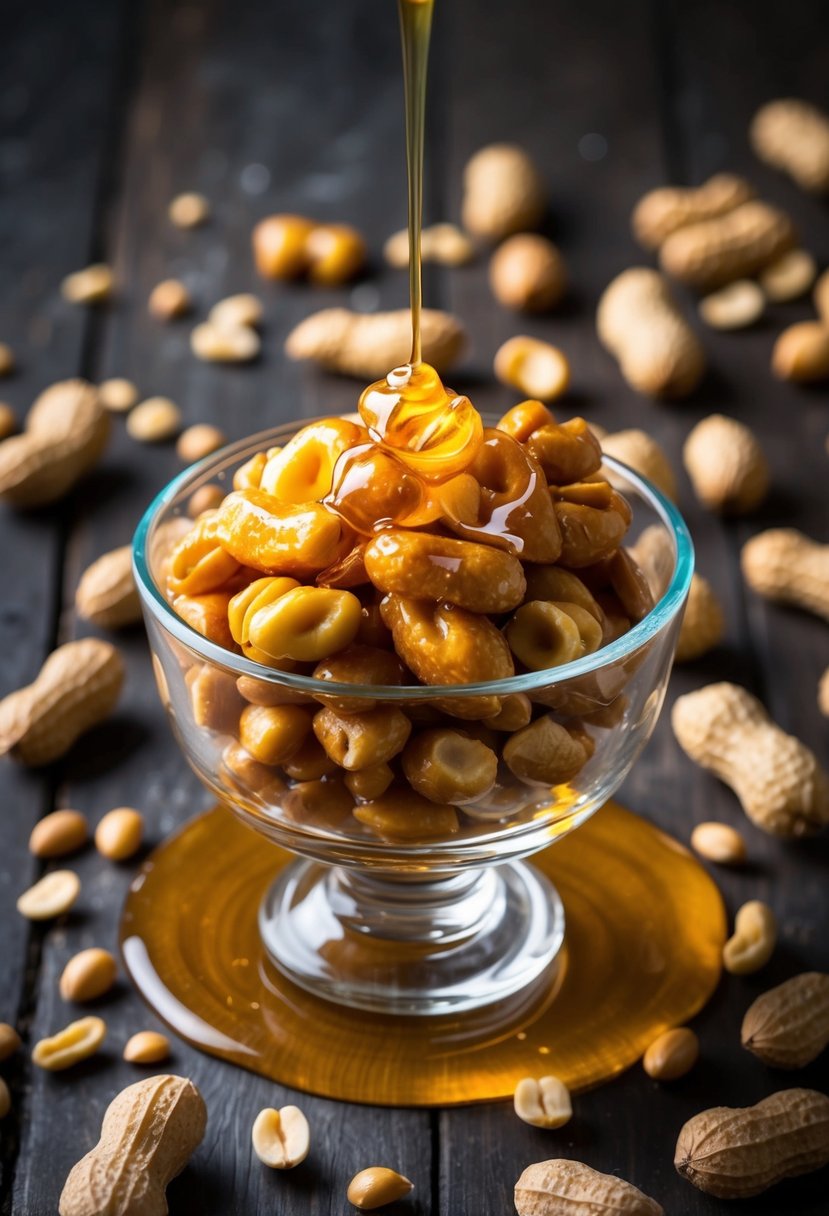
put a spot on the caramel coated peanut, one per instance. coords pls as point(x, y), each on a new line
point(309, 762)
point(322, 804)
point(250, 599)
point(554, 583)
point(355, 741)
point(369, 783)
point(215, 700)
point(545, 752)
point(199, 564)
point(469, 575)
point(447, 766)
point(272, 734)
point(630, 585)
point(404, 815)
point(251, 776)
point(515, 712)
point(567, 451)
point(361, 665)
point(207, 614)
point(278, 538)
point(306, 624)
point(590, 528)
point(544, 633)
point(301, 472)
point(523, 419)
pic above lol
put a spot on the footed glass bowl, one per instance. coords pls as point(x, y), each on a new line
point(394, 907)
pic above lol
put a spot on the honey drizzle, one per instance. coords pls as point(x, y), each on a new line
point(415, 31)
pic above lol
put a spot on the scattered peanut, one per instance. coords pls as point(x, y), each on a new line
point(783, 565)
point(106, 593)
point(57, 834)
point(821, 297)
point(281, 1138)
point(643, 454)
point(777, 779)
point(9, 1041)
point(77, 687)
point(736, 245)
point(718, 842)
point(188, 210)
point(788, 1026)
point(169, 299)
point(533, 367)
point(52, 896)
point(118, 395)
point(366, 345)
point(154, 420)
point(335, 254)
point(726, 465)
point(543, 1103)
point(150, 1131)
point(65, 433)
point(8, 421)
point(570, 1188)
point(527, 273)
point(793, 136)
point(639, 322)
point(5, 1099)
point(119, 834)
point(735, 1152)
point(376, 1186)
point(206, 498)
point(235, 311)
point(89, 286)
point(752, 944)
point(77, 1041)
point(7, 363)
point(147, 1047)
point(671, 1055)
point(199, 441)
point(790, 277)
point(703, 625)
point(441, 243)
point(801, 353)
point(88, 975)
point(735, 306)
point(663, 211)
point(225, 344)
point(503, 192)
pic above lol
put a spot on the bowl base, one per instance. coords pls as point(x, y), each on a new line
point(645, 929)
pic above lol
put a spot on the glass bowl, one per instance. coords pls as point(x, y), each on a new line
point(394, 909)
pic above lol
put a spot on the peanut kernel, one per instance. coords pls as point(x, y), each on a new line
point(222, 344)
point(751, 945)
point(169, 299)
point(543, 1103)
point(88, 975)
point(57, 834)
point(119, 834)
point(376, 1186)
point(671, 1055)
point(147, 1047)
point(9, 1041)
point(154, 420)
point(188, 210)
point(199, 441)
point(281, 1138)
point(52, 896)
point(69, 1046)
point(88, 286)
point(117, 394)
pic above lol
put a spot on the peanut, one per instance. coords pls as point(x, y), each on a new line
point(367, 784)
point(545, 752)
point(169, 299)
point(149, 1132)
point(527, 273)
point(225, 344)
point(76, 688)
point(147, 1047)
point(57, 834)
point(570, 1188)
point(671, 1055)
point(281, 1138)
point(5, 1099)
point(469, 575)
point(154, 420)
point(787, 567)
point(533, 367)
point(801, 353)
point(279, 246)
point(376, 1186)
point(736, 245)
point(8, 421)
point(77, 1041)
point(718, 842)
point(823, 694)
point(790, 277)
point(306, 624)
point(65, 433)
point(735, 306)
point(88, 975)
point(643, 454)
point(106, 594)
point(726, 465)
point(7, 362)
point(735, 1152)
point(793, 135)
point(271, 734)
point(243, 310)
point(752, 944)
point(404, 815)
point(544, 634)
point(9, 1041)
point(788, 1026)
point(366, 345)
point(543, 1103)
point(503, 192)
point(91, 285)
point(441, 243)
point(703, 625)
point(639, 322)
point(52, 896)
point(449, 767)
point(199, 441)
point(117, 395)
point(358, 665)
point(357, 740)
point(188, 210)
point(663, 211)
point(214, 699)
point(335, 254)
point(778, 781)
point(119, 834)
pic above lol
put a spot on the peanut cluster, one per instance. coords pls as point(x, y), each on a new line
point(414, 547)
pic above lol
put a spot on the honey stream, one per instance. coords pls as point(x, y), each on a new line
point(415, 30)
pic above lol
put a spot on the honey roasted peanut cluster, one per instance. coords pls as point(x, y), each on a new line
point(416, 546)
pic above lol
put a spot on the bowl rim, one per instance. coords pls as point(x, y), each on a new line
point(153, 600)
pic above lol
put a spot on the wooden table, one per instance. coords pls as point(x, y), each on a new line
point(108, 109)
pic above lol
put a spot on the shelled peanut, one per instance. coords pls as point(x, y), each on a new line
point(289, 246)
point(793, 135)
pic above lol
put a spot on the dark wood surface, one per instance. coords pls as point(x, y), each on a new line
point(110, 107)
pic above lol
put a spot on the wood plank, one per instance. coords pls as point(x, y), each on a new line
point(55, 72)
point(197, 122)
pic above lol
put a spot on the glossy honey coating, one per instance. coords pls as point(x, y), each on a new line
point(414, 546)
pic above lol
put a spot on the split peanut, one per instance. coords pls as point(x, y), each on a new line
point(52, 896)
point(281, 1138)
point(753, 941)
point(77, 1041)
point(543, 1103)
